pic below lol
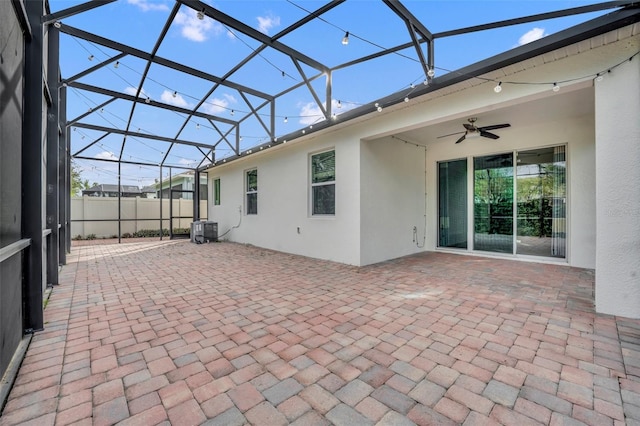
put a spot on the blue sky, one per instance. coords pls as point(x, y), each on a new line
point(215, 48)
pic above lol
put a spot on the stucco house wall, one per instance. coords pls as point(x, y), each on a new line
point(393, 199)
point(618, 191)
point(284, 221)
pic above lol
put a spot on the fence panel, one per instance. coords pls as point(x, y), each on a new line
point(99, 215)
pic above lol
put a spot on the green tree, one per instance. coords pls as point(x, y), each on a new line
point(77, 184)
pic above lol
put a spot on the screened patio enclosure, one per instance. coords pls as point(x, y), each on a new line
point(76, 86)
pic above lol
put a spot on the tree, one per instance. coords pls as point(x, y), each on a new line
point(77, 184)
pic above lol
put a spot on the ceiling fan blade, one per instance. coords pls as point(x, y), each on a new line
point(495, 126)
point(488, 135)
point(462, 137)
point(450, 134)
point(469, 127)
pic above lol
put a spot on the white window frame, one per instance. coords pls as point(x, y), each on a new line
point(312, 185)
point(249, 192)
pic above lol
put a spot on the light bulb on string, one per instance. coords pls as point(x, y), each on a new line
point(498, 88)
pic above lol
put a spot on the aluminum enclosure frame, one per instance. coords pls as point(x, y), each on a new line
point(417, 32)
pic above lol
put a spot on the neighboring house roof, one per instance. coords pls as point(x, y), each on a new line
point(106, 187)
point(149, 189)
point(176, 179)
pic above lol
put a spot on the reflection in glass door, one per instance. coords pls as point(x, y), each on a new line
point(541, 202)
point(493, 203)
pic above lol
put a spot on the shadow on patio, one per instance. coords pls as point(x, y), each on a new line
point(149, 332)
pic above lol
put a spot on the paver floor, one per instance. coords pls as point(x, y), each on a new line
point(225, 334)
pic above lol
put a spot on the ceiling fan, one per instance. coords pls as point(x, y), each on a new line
point(472, 130)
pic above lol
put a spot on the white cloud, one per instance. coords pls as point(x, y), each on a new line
point(177, 100)
point(218, 105)
point(132, 91)
point(230, 98)
point(107, 155)
point(311, 113)
point(188, 162)
point(195, 29)
point(146, 5)
point(531, 35)
point(265, 23)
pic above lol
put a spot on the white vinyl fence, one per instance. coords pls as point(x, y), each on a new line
point(99, 215)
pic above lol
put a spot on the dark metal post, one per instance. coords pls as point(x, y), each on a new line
point(196, 197)
point(119, 202)
point(32, 172)
point(53, 169)
point(170, 207)
point(64, 190)
point(67, 142)
point(430, 54)
point(161, 201)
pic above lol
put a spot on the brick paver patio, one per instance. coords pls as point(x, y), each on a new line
point(171, 332)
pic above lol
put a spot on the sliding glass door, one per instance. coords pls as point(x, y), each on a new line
point(519, 203)
point(541, 202)
point(493, 203)
point(452, 204)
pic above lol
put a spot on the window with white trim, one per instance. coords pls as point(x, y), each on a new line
point(323, 183)
point(216, 192)
point(251, 186)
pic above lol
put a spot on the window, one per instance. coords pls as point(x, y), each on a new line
point(204, 187)
point(252, 191)
point(216, 192)
point(323, 183)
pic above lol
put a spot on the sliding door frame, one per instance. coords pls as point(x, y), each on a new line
point(470, 205)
